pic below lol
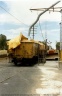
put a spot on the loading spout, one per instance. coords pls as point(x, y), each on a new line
point(40, 15)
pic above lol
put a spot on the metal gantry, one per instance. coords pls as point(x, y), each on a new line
point(50, 9)
point(54, 9)
point(52, 6)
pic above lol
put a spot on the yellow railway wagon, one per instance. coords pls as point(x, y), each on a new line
point(26, 51)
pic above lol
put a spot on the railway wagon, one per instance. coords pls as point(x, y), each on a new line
point(28, 52)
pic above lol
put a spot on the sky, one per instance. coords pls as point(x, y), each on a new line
point(16, 18)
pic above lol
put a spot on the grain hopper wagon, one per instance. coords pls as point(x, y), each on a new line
point(26, 51)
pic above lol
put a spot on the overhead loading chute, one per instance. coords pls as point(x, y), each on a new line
point(16, 41)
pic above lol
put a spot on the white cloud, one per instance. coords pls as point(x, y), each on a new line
point(20, 9)
point(12, 33)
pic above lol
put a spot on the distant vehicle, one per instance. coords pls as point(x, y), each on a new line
point(52, 54)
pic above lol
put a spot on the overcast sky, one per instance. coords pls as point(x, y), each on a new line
point(20, 18)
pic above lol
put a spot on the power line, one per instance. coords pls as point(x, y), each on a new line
point(13, 16)
point(40, 28)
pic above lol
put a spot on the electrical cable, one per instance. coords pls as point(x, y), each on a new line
point(13, 16)
point(40, 28)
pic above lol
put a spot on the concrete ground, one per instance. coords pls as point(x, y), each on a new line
point(51, 80)
point(39, 79)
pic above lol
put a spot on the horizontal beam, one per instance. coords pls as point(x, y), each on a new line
point(42, 9)
point(50, 10)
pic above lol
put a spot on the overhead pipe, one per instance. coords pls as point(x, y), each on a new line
point(40, 15)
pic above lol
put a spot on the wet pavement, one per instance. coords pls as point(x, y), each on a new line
point(38, 79)
point(51, 79)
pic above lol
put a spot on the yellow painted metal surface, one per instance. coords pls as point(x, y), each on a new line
point(26, 50)
point(21, 47)
point(42, 46)
point(60, 55)
point(16, 41)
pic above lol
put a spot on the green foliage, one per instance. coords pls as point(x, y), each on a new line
point(58, 45)
point(3, 44)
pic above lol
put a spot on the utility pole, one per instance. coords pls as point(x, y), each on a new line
point(61, 31)
point(33, 31)
point(60, 53)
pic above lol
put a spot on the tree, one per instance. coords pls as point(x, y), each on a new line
point(3, 40)
point(58, 45)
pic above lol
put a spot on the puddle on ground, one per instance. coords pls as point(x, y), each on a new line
point(50, 83)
